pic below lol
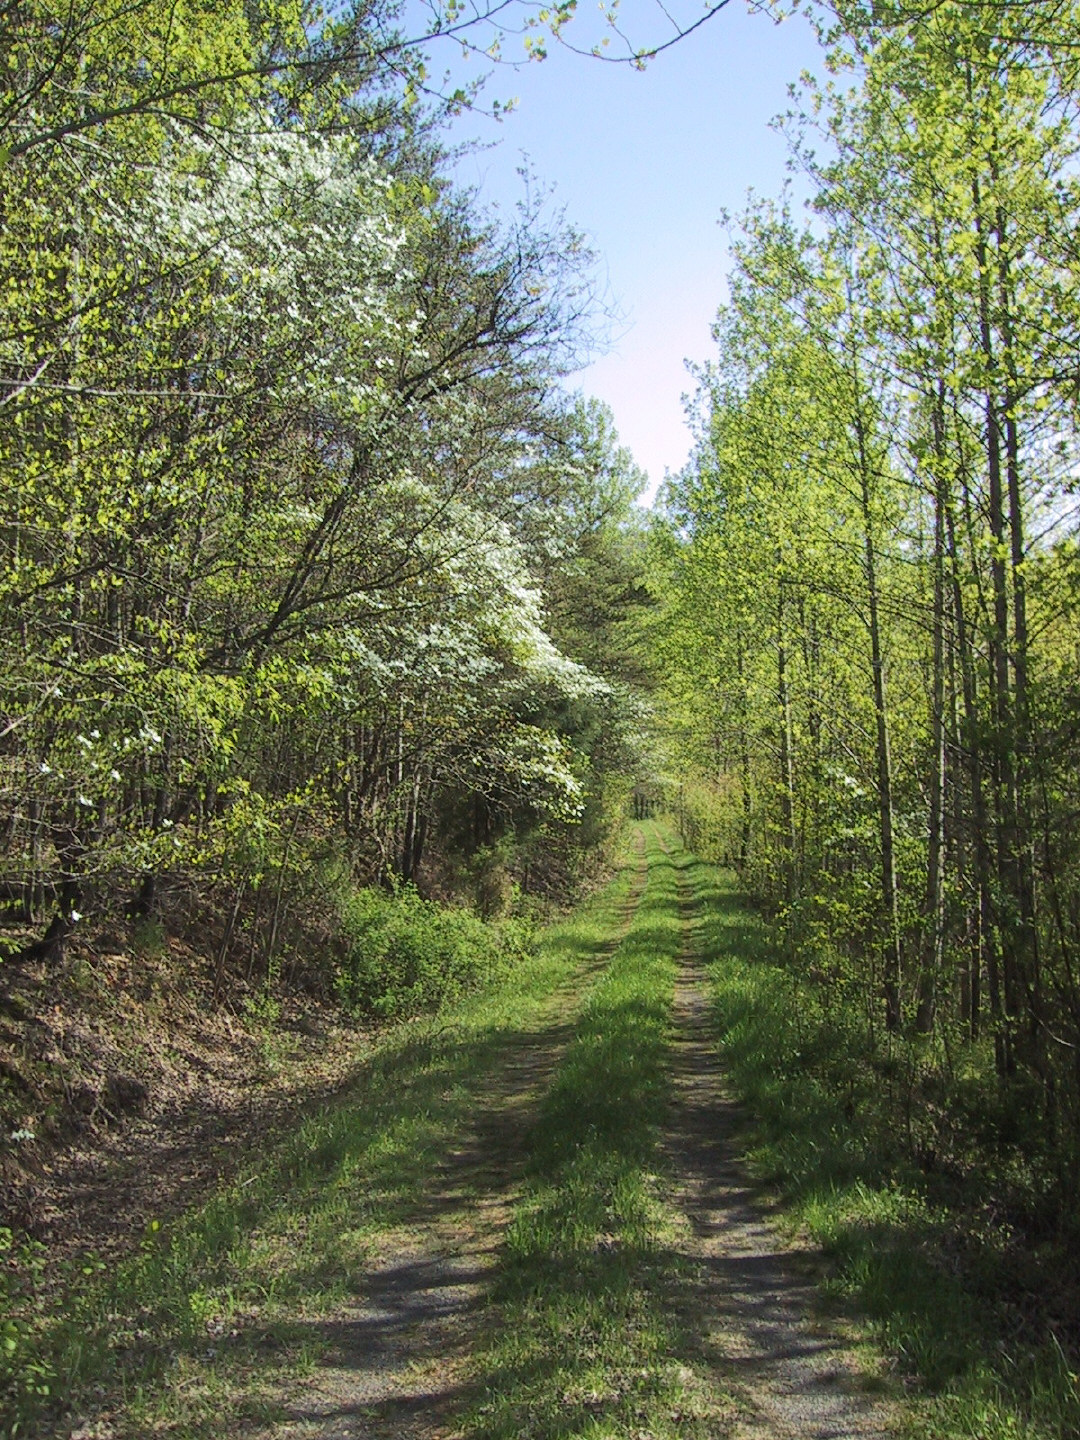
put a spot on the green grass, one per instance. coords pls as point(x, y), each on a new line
point(201, 1325)
point(584, 1338)
point(827, 1121)
point(218, 1313)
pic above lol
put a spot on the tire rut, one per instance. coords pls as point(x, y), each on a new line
point(749, 1297)
point(396, 1363)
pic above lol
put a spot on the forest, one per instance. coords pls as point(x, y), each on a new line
point(337, 654)
point(871, 570)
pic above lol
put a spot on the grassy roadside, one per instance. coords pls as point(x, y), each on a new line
point(198, 1331)
point(584, 1341)
point(823, 1132)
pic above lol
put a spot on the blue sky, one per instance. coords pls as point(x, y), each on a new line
point(645, 163)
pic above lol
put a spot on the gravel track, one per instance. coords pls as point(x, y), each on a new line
point(397, 1362)
point(751, 1299)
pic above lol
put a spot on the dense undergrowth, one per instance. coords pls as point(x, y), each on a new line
point(212, 1310)
point(943, 1252)
point(404, 954)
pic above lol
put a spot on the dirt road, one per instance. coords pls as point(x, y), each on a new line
point(401, 1361)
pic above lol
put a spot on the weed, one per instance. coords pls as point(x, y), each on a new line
point(148, 939)
point(263, 1009)
point(405, 954)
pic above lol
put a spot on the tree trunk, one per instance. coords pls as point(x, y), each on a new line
point(1021, 859)
point(891, 949)
point(934, 902)
point(987, 927)
point(1004, 735)
point(787, 768)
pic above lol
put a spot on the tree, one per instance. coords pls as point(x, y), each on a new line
point(266, 402)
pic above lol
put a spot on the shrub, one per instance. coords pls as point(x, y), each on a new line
point(404, 954)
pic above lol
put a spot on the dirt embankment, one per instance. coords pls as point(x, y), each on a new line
point(127, 1094)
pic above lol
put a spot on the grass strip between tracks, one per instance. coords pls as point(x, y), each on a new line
point(584, 1339)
